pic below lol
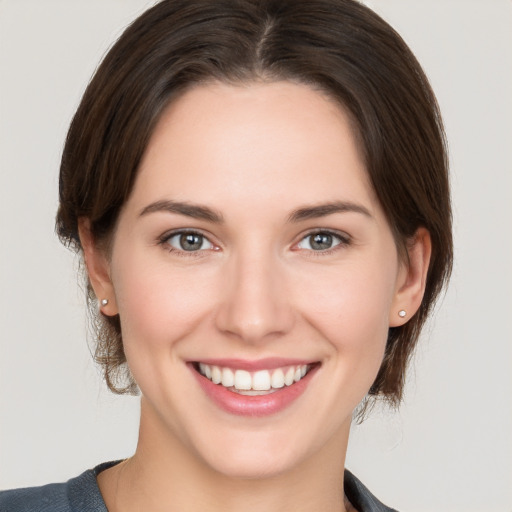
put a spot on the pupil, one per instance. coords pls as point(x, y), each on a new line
point(321, 241)
point(191, 242)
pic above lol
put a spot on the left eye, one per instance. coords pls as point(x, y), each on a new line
point(189, 241)
point(322, 241)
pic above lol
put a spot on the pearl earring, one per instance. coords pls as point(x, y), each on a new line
point(402, 313)
point(104, 302)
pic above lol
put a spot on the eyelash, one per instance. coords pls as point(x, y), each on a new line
point(164, 242)
point(344, 241)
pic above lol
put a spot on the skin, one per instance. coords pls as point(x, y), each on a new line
point(253, 154)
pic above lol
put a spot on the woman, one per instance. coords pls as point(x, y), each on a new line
point(260, 194)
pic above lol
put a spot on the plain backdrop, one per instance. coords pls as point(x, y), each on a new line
point(450, 446)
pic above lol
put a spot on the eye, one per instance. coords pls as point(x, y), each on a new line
point(321, 241)
point(189, 241)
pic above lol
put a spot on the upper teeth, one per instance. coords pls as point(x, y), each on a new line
point(261, 380)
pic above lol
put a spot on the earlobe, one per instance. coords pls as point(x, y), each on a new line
point(412, 279)
point(98, 269)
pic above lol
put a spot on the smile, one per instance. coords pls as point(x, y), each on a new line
point(254, 388)
point(253, 383)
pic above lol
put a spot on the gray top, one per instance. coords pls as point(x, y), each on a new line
point(82, 494)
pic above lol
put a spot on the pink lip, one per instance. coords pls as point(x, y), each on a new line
point(261, 405)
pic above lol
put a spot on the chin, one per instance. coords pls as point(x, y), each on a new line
point(253, 464)
point(270, 451)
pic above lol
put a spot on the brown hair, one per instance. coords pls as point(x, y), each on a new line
point(338, 46)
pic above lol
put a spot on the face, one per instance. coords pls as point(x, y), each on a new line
point(255, 276)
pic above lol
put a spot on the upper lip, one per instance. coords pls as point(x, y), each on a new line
point(268, 363)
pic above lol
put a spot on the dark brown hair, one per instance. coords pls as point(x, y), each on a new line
point(338, 46)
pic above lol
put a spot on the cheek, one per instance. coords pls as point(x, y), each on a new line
point(350, 304)
point(351, 312)
point(159, 303)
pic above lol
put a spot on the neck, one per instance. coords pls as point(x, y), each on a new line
point(165, 475)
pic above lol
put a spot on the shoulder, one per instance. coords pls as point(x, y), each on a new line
point(360, 497)
point(52, 497)
point(80, 494)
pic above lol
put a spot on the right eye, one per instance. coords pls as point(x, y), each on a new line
point(188, 241)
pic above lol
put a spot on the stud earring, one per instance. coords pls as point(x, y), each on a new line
point(104, 302)
point(402, 313)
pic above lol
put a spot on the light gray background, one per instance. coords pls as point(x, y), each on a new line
point(449, 448)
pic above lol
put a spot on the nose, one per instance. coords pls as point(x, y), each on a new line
point(255, 305)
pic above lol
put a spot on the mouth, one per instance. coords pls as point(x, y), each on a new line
point(254, 389)
point(257, 383)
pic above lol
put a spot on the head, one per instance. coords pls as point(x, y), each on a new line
point(337, 48)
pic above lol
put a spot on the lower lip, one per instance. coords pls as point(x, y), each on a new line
point(260, 405)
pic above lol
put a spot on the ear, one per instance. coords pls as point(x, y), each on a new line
point(412, 278)
point(98, 269)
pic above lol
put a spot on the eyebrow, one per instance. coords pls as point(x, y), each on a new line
point(187, 209)
point(300, 214)
point(322, 210)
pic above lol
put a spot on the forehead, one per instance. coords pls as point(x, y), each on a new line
point(274, 141)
